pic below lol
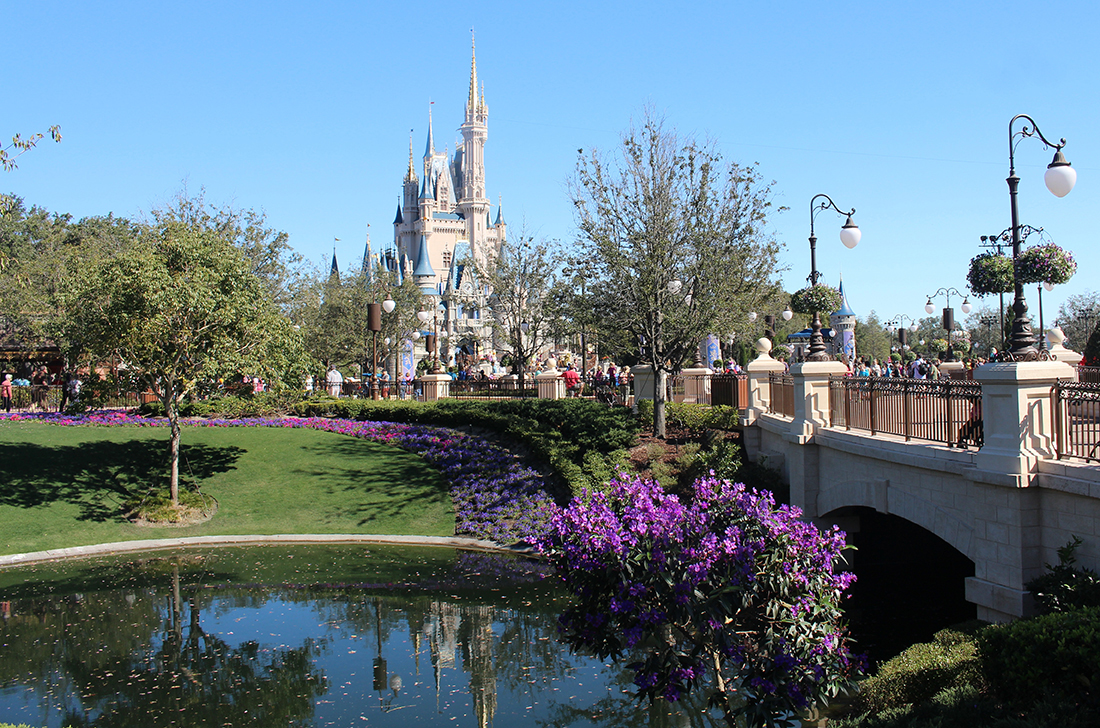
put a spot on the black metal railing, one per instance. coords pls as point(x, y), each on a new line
point(940, 410)
point(49, 398)
point(781, 398)
point(494, 388)
point(1075, 407)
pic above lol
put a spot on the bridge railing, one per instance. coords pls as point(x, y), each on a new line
point(730, 389)
point(782, 394)
point(940, 410)
point(1075, 407)
point(1088, 374)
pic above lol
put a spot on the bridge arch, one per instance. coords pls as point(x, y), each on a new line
point(910, 582)
point(906, 503)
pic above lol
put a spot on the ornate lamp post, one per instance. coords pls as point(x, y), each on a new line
point(896, 325)
point(769, 321)
point(1060, 178)
point(849, 235)
point(997, 243)
point(433, 342)
point(948, 314)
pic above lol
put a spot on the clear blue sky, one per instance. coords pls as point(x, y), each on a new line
point(900, 110)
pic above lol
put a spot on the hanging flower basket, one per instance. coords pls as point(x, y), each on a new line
point(938, 345)
point(820, 298)
point(990, 273)
point(1045, 263)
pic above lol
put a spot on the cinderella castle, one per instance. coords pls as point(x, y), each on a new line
point(444, 223)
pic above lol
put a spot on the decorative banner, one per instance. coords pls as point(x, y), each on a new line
point(848, 345)
point(408, 365)
point(710, 350)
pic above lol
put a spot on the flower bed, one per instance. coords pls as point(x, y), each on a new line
point(494, 496)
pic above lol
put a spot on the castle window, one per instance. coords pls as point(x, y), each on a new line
point(446, 259)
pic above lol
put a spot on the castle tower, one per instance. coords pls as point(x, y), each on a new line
point(843, 324)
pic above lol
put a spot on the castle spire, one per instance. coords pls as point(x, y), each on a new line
point(472, 102)
point(367, 255)
point(429, 147)
point(410, 176)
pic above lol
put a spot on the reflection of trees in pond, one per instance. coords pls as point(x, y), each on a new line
point(196, 678)
point(140, 655)
point(40, 637)
point(98, 655)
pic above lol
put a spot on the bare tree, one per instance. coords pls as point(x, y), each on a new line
point(679, 236)
point(522, 279)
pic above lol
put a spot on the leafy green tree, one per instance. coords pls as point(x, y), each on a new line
point(181, 306)
point(41, 251)
point(680, 236)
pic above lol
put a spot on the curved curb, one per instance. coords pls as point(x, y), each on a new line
point(191, 541)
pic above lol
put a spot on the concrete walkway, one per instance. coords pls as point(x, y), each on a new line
point(160, 544)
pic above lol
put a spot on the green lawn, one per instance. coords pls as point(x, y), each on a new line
point(61, 486)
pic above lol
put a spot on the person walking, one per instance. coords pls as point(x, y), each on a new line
point(6, 392)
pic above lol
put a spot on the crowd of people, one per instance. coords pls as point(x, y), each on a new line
point(918, 368)
point(47, 389)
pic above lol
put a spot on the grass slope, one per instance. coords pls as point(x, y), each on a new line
point(61, 486)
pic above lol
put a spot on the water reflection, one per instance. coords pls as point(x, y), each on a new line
point(301, 636)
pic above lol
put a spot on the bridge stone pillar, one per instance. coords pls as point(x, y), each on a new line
point(550, 384)
point(759, 370)
point(436, 386)
point(645, 382)
point(1016, 415)
point(811, 396)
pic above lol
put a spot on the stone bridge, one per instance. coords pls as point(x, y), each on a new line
point(1006, 507)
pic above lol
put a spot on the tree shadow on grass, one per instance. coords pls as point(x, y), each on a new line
point(391, 487)
point(99, 476)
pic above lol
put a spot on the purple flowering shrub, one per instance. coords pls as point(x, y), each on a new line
point(728, 590)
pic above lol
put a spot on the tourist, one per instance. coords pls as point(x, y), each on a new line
point(6, 392)
point(335, 381)
point(572, 382)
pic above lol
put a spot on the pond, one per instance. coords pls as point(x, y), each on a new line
point(304, 635)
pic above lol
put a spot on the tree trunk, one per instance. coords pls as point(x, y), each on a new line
point(659, 402)
point(174, 455)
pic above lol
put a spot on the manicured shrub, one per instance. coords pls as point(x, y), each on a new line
point(691, 416)
point(1056, 654)
point(922, 671)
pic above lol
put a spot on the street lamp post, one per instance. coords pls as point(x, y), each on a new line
point(849, 235)
point(1060, 178)
point(948, 314)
